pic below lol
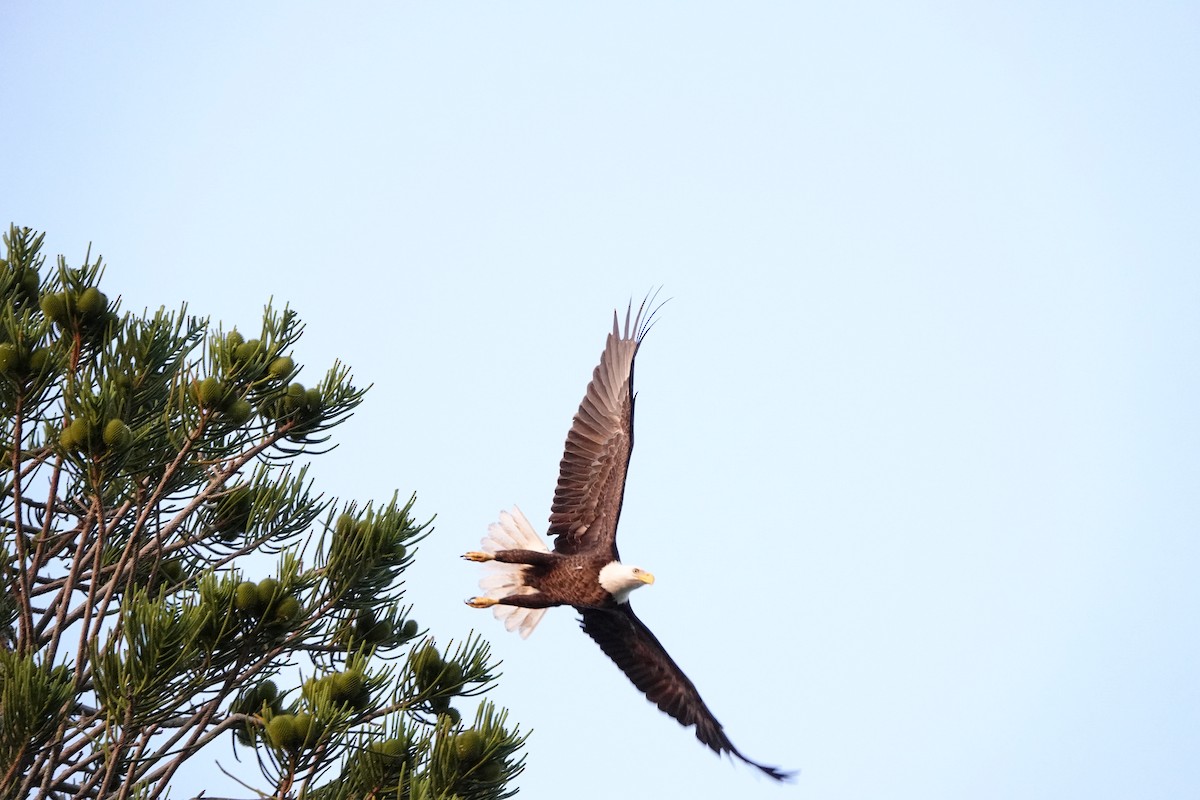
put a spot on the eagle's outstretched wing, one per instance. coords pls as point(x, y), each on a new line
point(591, 475)
point(627, 641)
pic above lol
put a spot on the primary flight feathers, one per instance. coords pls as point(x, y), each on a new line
point(583, 570)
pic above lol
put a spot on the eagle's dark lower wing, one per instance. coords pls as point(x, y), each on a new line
point(628, 642)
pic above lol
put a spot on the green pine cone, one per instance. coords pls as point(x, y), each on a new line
point(54, 306)
point(212, 392)
point(172, 570)
point(451, 677)
point(393, 748)
point(282, 732)
point(380, 632)
point(247, 598)
point(11, 359)
point(239, 411)
point(345, 525)
point(76, 436)
point(247, 351)
point(427, 665)
point(364, 621)
point(347, 686)
point(287, 610)
point(468, 745)
point(268, 691)
point(268, 589)
point(39, 359)
point(92, 303)
point(29, 281)
point(281, 368)
point(117, 435)
point(308, 729)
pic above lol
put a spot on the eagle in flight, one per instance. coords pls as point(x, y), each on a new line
point(524, 577)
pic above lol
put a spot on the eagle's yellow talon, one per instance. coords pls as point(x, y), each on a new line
point(475, 555)
point(481, 602)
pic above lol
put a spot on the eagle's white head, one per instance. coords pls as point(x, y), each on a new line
point(620, 579)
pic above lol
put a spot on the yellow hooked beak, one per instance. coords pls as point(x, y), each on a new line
point(646, 578)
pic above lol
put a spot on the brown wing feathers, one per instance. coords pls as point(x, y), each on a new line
point(591, 478)
point(628, 642)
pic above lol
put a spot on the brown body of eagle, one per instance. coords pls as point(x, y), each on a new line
point(584, 570)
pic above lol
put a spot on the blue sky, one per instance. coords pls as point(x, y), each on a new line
point(917, 457)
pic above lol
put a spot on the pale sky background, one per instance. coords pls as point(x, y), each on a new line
point(918, 453)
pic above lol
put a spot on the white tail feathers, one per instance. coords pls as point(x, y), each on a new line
point(512, 532)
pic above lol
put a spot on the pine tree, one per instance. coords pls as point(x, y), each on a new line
point(147, 465)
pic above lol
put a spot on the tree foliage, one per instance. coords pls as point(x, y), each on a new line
point(148, 464)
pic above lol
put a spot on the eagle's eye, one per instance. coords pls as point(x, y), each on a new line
point(637, 571)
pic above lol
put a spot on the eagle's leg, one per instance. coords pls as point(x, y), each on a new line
point(534, 600)
point(532, 557)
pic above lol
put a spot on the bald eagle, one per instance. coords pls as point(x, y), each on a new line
point(525, 577)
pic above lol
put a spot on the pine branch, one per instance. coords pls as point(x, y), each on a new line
point(131, 638)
